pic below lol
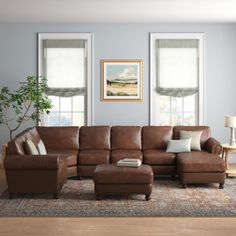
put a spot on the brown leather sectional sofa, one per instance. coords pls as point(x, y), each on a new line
point(85, 147)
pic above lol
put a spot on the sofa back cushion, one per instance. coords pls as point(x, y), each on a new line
point(60, 137)
point(156, 137)
point(17, 145)
point(126, 137)
point(94, 137)
point(206, 132)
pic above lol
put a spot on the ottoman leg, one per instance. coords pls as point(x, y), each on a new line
point(221, 186)
point(148, 197)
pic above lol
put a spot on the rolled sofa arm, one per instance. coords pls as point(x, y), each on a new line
point(213, 146)
point(33, 162)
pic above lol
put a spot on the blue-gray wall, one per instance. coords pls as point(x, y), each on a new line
point(18, 58)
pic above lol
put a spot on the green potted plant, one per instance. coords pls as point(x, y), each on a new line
point(29, 102)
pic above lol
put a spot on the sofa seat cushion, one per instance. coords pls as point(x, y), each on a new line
point(70, 155)
point(93, 157)
point(158, 157)
point(117, 155)
point(197, 161)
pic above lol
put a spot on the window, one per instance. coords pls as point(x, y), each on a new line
point(65, 59)
point(176, 79)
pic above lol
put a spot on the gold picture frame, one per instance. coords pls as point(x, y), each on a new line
point(122, 80)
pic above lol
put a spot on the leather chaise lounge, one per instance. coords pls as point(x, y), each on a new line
point(74, 151)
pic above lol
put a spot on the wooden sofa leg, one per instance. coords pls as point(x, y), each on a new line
point(98, 197)
point(10, 195)
point(221, 186)
point(55, 195)
point(173, 177)
point(148, 197)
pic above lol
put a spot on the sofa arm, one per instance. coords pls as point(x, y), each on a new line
point(213, 146)
point(33, 162)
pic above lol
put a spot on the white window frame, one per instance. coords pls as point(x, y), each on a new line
point(89, 37)
point(153, 71)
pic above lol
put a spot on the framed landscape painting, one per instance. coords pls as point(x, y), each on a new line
point(122, 80)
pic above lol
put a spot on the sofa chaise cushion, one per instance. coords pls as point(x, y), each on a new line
point(199, 161)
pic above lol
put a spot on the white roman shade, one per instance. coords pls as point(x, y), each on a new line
point(61, 60)
point(177, 67)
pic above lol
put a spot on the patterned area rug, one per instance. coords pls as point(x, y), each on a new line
point(168, 199)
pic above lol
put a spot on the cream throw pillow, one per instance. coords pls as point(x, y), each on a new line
point(181, 145)
point(31, 148)
point(195, 138)
point(41, 148)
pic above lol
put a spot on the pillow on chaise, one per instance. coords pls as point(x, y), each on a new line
point(195, 138)
point(181, 145)
point(30, 148)
point(41, 148)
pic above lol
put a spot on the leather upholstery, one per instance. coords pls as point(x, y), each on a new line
point(126, 137)
point(94, 137)
point(17, 145)
point(123, 175)
point(156, 137)
point(93, 157)
point(102, 144)
point(32, 162)
point(200, 178)
point(206, 133)
point(164, 169)
point(60, 137)
point(86, 170)
point(158, 157)
point(213, 146)
point(117, 155)
point(200, 161)
point(35, 174)
point(71, 156)
point(104, 189)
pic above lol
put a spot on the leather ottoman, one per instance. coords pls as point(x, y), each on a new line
point(111, 179)
point(200, 167)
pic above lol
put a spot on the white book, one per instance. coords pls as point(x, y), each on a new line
point(137, 163)
point(130, 160)
point(128, 164)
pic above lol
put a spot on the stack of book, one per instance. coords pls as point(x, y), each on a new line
point(129, 162)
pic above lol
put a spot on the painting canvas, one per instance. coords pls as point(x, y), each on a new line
point(122, 79)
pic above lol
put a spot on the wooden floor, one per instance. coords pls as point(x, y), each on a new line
point(114, 226)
